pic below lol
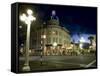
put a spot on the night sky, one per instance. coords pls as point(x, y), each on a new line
point(78, 20)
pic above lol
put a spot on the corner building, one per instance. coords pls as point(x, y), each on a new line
point(52, 38)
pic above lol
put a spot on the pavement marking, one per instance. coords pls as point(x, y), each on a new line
point(81, 65)
point(88, 65)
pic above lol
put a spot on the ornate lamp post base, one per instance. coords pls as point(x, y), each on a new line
point(26, 68)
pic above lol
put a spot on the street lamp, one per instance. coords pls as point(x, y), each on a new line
point(54, 44)
point(27, 19)
point(43, 37)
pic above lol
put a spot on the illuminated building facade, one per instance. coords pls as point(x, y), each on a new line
point(51, 38)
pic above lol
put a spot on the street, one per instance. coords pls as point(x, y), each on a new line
point(59, 62)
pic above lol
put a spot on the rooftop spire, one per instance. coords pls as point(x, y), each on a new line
point(53, 16)
point(54, 20)
point(53, 13)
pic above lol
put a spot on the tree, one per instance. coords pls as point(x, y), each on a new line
point(91, 38)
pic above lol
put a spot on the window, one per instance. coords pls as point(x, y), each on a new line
point(54, 39)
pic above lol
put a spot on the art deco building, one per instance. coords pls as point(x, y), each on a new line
point(51, 38)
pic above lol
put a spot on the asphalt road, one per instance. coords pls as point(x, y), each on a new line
point(60, 62)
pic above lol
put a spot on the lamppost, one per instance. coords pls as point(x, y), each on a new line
point(43, 37)
point(54, 45)
point(27, 19)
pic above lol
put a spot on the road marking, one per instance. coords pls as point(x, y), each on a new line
point(81, 65)
point(88, 65)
